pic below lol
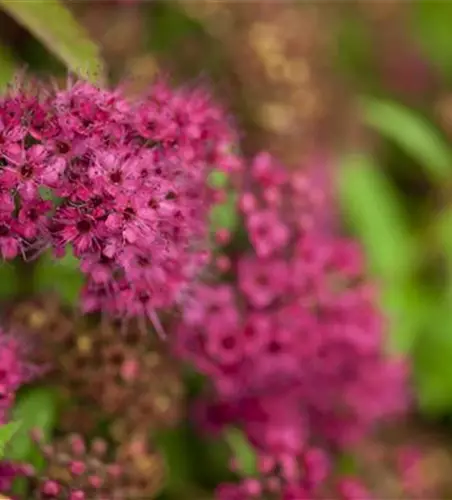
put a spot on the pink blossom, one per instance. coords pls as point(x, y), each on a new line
point(267, 232)
point(293, 346)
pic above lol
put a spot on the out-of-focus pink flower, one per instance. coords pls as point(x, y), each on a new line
point(294, 346)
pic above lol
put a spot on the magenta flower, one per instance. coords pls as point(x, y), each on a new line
point(130, 180)
point(14, 371)
point(294, 347)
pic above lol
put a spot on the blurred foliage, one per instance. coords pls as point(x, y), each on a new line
point(36, 408)
point(61, 276)
point(7, 431)
point(411, 132)
point(53, 25)
point(431, 27)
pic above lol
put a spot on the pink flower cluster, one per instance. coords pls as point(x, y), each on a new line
point(83, 466)
point(14, 371)
point(294, 348)
point(121, 182)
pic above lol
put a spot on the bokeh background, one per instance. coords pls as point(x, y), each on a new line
point(360, 90)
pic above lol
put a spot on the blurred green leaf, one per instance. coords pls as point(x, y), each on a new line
point(8, 280)
point(169, 24)
point(7, 431)
point(432, 356)
point(242, 451)
point(412, 133)
point(174, 446)
point(7, 67)
point(224, 215)
point(406, 308)
point(60, 275)
point(346, 464)
point(54, 25)
point(355, 44)
point(444, 232)
point(431, 22)
point(218, 179)
point(376, 216)
point(35, 408)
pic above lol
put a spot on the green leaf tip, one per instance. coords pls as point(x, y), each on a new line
point(52, 23)
point(7, 431)
point(412, 133)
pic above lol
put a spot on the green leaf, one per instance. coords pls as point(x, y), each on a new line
point(431, 23)
point(224, 215)
point(7, 431)
point(218, 179)
point(443, 234)
point(375, 214)
point(60, 275)
point(355, 54)
point(412, 133)
point(406, 308)
point(54, 25)
point(173, 444)
point(243, 452)
point(7, 67)
point(443, 228)
point(8, 280)
point(432, 366)
point(35, 408)
point(346, 464)
point(169, 24)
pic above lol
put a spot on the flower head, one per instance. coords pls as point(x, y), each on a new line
point(294, 347)
point(117, 180)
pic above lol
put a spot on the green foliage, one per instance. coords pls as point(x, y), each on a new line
point(242, 452)
point(432, 356)
point(406, 308)
point(60, 275)
point(7, 431)
point(223, 215)
point(172, 443)
point(9, 285)
point(35, 408)
point(7, 67)
point(431, 22)
point(412, 133)
point(53, 24)
point(376, 216)
point(218, 179)
point(170, 25)
point(355, 49)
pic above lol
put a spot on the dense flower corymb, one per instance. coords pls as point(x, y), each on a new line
point(294, 349)
point(123, 183)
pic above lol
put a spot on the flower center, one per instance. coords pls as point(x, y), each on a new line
point(26, 171)
point(116, 177)
point(4, 230)
point(84, 226)
point(129, 213)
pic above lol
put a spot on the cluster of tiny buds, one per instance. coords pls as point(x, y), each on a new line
point(123, 184)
